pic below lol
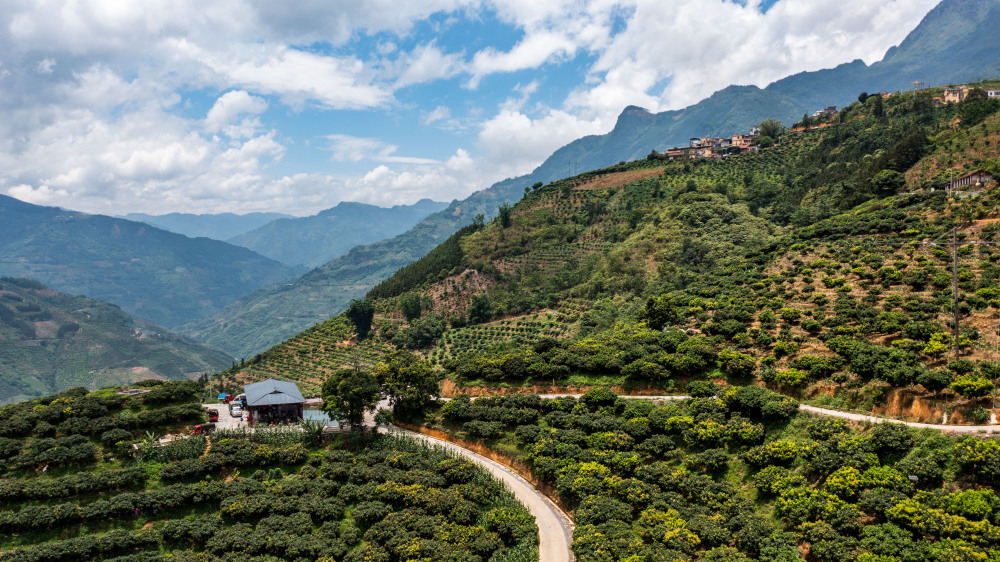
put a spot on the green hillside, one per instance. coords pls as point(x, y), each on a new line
point(87, 476)
point(51, 341)
point(807, 266)
point(955, 42)
point(272, 314)
point(313, 241)
point(152, 274)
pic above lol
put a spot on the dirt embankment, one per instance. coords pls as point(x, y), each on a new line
point(906, 404)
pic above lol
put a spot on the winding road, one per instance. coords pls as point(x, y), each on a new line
point(555, 528)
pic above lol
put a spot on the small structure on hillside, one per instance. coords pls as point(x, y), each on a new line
point(977, 178)
point(955, 95)
point(828, 111)
point(273, 401)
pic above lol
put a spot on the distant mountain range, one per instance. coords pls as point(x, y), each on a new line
point(159, 276)
point(955, 42)
point(273, 314)
point(51, 341)
point(220, 226)
point(313, 241)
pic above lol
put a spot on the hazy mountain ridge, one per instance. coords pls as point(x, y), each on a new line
point(221, 226)
point(51, 341)
point(313, 241)
point(272, 314)
point(153, 274)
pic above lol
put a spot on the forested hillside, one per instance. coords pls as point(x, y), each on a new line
point(92, 476)
point(51, 341)
point(810, 266)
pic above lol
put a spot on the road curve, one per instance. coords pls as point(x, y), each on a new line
point(555, 529)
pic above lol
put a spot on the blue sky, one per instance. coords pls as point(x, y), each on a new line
point(251, 105)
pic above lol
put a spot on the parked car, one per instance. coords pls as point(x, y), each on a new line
point(236, 411)
point(213, 415)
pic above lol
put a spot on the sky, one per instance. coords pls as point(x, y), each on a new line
point(158, 106)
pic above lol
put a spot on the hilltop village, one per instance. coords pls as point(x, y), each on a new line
point(755, 139)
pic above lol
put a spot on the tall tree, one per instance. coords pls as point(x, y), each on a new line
point(348, 393)
point(409, 382)
point(771, 128)
point(503, 213)
point(360, 313)
point(410, 306)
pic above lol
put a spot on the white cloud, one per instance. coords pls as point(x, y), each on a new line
point(346, 148)
point(535, 50)
point(106, 129)
point(45, 66)
point(425, 64)
point(516, 143)
point(229, 108)
point(439, 113)
point(297, 76)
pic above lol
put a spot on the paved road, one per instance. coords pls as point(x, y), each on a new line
point(555, 529)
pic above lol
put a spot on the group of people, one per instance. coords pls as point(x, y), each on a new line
point(274, 415)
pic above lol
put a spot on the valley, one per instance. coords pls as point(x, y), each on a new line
point(727, 323)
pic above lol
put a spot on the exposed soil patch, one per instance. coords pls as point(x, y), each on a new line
point(618, 179)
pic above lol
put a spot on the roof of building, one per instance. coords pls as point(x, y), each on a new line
point(272, 392)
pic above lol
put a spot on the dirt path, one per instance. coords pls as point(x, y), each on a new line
point(555, 529)
point(876, 419)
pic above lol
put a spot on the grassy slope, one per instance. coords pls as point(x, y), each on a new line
point(41, 353)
